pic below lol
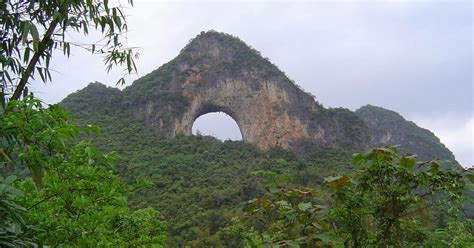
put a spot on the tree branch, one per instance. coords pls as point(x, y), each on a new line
point(34, 60)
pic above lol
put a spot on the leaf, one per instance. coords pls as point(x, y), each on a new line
point(357, 158)
point(305, 206)
point(26, 55)
point(37, 175)
point(408, 162)
point(291, 243)
point(337, 182)
point(320, 206)
point(282, 203)
point(274, 190)
point(40, 71)
point(34, 34)
point(10, 179)
point(324, 237)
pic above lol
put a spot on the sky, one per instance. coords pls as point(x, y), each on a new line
point(413, 57)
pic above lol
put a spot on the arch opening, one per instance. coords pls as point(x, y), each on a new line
point(217, 124)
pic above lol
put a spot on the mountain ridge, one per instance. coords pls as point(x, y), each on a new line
point(216, 60)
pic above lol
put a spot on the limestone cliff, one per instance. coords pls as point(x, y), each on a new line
point(219, 72)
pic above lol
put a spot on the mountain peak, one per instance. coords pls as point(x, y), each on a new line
point(388, 127)
point(215, 38)
point(213, 46)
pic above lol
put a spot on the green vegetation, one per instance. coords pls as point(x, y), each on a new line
point(153, 86)
point(199, 182)
point(201, 185)
point(210, 193)
point(391, 201)
point(56, 189)
point(347, 121)
point(62, 184)
point(33, 30)
point(60, 192)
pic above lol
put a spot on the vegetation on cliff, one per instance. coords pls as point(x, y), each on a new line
point(201, 185)
point(389, 127)
point(199, 182)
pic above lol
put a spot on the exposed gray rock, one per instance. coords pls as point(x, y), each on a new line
point(218, 72)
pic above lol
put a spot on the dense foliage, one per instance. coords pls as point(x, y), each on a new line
point(62, 184)
point(199, 182)
point(66, 194)
point(201, 185)
point(392, 201)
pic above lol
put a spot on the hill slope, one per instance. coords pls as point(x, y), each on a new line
point(198, 181)
point(219, 72)
point(387, 127)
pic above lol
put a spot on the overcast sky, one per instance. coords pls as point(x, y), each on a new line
point(414, 57)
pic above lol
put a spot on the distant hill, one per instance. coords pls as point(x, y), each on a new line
point(388, 127)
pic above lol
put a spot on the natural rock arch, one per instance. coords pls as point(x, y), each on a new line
point(217, 124)
point(218, 72)
point(260, 109)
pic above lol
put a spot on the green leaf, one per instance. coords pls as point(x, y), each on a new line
point(274, 190)
point(357, 158)
point(291, 243)
point(324, 237)
point(25, 32)
point(40, 71)
point(337, 182)
point(408, 162)
point(34, 33)
point(305, 206)
point(10, 179)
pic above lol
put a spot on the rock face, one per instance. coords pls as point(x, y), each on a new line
point(218, 72)
point(387, 127)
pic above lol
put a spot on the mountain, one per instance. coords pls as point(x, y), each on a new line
point(387, 127)
point(199, 182)
point(219, 72)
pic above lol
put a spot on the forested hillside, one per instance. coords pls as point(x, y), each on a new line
point(389, 127)
point(120, 168)
point(200, 183)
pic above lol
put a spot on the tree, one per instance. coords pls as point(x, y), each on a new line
point(72, 197)
point(390, 201)
point(293, 216)
point(32, 30)
point(67, 194)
